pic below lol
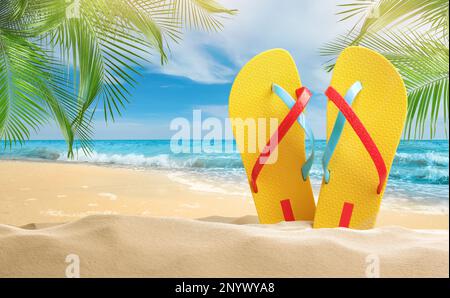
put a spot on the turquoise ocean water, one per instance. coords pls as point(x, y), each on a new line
point(418, 179)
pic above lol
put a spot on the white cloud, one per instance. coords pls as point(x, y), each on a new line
point(189, 60)
point(298, 26)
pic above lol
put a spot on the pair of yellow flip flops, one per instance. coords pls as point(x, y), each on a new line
point(366, 134)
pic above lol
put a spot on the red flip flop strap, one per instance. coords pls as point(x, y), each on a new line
point(362, 133)
point(303, 96)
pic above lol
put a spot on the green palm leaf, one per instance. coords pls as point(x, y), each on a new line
point(107, 40)
point(103, 43)
point(423, 62)
point(375, 16)
point(392, 28)
point(378, 15)
point(20, 63)
point(32, 89)
point(201, 14)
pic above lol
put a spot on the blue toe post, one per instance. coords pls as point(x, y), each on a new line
point(289, 102)
point(338, 127)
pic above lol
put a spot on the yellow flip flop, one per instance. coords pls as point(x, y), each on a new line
point(363, 137)
point(262, 96)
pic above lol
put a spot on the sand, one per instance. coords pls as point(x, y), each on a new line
point(60, 192)
point(117, 246)
point(90, 212)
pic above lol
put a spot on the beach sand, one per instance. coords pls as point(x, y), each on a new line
point(123, 222)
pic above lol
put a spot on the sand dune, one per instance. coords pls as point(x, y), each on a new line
point(218, 247)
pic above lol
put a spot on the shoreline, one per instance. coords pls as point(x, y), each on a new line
point(419, 190)
point(59, 192)
point(120, 222)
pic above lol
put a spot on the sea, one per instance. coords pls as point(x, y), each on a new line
point(418, 179)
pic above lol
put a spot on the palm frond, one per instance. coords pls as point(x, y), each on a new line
point(201, 14)
point(103, 44)
point(334, 48)
point(31, 89)
point(31, 18)
point(107, 40)
point(20, 112)
point(423, 62)
point(375, 16)
point(381, 14)
point(104, 53)
point(392, 28)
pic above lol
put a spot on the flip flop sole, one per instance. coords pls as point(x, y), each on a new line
point(280, 184)
point(350, 197)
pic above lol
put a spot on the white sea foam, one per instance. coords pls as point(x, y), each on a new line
point(211, 184)
point(418, 179)
point(428, 158)
point(164, 161)
point(137, 160)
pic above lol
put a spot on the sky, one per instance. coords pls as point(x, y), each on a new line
point(203, 65)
